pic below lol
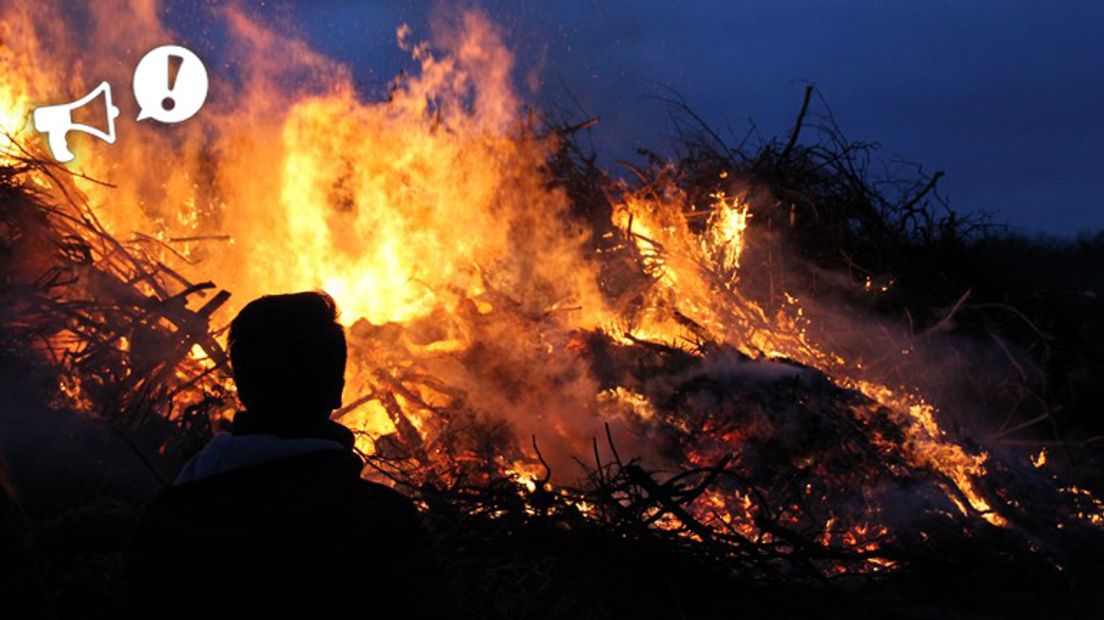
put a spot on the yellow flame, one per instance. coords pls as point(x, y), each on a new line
point(1039, 459)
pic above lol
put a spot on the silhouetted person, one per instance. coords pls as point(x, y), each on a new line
point(274, 517)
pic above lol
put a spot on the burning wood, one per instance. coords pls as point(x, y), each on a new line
point(110, 319)
point(756, 458)
point(532, 343)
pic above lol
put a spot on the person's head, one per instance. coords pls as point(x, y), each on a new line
point(288, 355)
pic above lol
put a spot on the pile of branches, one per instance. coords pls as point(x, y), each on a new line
point(878, 237)
point(115, 327)
point(806, 461)
point(104, 326)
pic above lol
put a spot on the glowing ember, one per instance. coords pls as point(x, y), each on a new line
point(1039, 459)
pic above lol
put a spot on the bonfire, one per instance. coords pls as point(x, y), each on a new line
point(535, 342)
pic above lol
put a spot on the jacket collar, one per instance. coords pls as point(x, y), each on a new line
point(291, 427)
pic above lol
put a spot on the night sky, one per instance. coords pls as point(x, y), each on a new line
point(1005, 96)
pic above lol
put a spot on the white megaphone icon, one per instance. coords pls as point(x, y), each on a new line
point(57, 120)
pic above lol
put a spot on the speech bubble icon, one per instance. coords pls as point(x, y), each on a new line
point(170, 84)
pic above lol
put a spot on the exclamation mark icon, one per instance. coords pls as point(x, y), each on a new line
point(175, 62)
point(170, 84)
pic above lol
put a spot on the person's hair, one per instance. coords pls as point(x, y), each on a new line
point(288, 355)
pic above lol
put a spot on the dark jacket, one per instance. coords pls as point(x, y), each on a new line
point(302, 533)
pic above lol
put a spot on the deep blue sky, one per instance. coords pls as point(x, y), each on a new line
point(1006, 96)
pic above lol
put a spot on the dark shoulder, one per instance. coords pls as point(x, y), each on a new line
point(312, 481)
point(384, 499)
point(324, 468)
